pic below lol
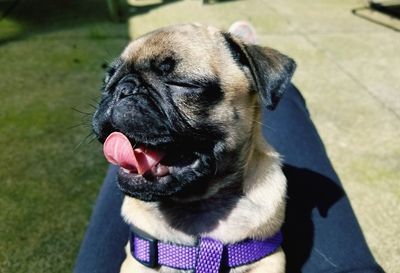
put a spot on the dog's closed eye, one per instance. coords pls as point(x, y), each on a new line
point(184, 84)
point(165, 67)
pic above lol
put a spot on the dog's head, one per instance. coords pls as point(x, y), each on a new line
point(192, 93)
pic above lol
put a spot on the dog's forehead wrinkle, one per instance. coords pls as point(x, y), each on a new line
point(189, 46)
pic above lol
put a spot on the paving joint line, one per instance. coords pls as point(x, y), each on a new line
point(338, 65)
point(351, 76)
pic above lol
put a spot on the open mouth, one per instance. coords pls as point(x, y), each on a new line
point(137, 159)
point(150, 172)
point(143, 159)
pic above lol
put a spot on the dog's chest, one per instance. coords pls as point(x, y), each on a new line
point(199, 217)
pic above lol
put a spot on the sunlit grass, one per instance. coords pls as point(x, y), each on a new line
point(50, 174)
point(9, 29)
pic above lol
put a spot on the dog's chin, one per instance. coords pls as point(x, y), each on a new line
point(181, 182)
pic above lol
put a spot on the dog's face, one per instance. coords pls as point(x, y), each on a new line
point(191, 92)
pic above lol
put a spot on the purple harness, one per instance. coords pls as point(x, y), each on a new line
point(209, 256)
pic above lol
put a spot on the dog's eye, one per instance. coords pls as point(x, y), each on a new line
point(166, 66)
point(184, 84)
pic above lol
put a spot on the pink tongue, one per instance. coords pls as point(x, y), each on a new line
point(118, 151)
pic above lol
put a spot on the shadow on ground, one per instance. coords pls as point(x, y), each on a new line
point(139, 10)
point(22, 19)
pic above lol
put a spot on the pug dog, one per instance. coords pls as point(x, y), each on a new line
point(180, 114)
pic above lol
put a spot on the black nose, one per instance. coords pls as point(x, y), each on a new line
point(127, 86)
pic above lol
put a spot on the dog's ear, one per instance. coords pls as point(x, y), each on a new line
point(270, 70)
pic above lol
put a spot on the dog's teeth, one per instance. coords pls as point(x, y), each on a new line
point(159, 170)
point(125, 170)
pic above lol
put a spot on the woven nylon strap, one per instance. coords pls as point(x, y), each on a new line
point(208, 257)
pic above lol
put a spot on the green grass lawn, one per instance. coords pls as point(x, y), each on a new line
point(49, 173)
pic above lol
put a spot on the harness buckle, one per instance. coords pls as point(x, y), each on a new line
point(147, 257)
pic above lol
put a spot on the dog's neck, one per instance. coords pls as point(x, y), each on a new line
point(234, 213)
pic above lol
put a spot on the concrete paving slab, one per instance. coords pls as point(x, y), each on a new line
point(220, 15)
point(312, 17)
point(371, 59)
